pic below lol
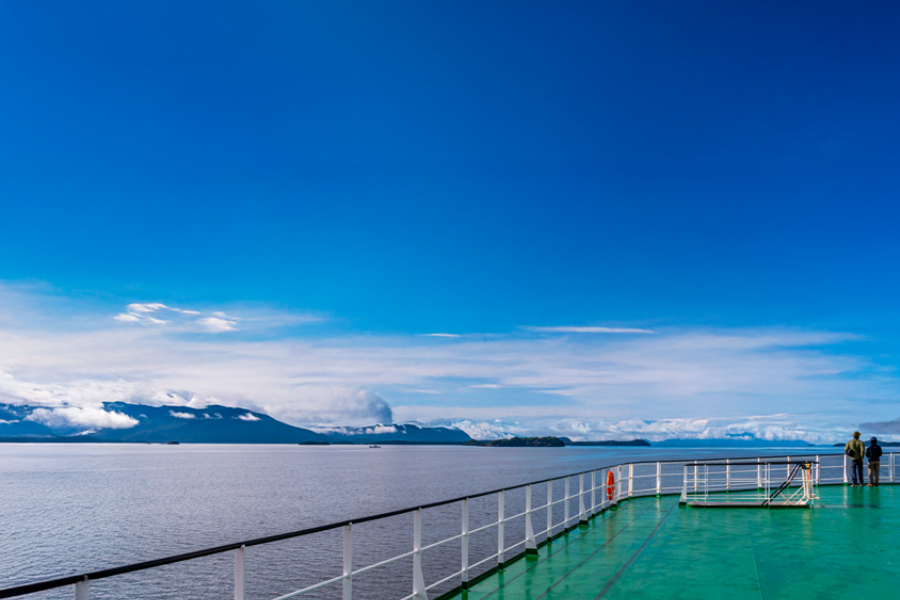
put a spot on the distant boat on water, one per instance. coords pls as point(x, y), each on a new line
point(375, 446)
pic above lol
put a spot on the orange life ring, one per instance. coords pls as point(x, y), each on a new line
point(610, 486)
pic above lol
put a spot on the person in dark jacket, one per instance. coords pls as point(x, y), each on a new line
point(855, 450)
point(873, 453)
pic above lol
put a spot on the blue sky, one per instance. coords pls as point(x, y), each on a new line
point(357, 176)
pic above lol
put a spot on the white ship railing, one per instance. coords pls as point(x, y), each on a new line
point(585, 494)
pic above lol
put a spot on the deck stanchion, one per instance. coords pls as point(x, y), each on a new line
point(684, 483)
point(845, 469)
point(238, 573)
point(530, 545)
point(465, 543)
point(348, 562)
point(501, 500)
point(419, 592)
point(818, 469)
point(758, 474)
point(549, 510)
point(582, 513)
point(566, 505)
point(727, 475)
point(619, 486)
point(658, 479)
point(593, 493)
point(630, 480)
point(696, 476)
point(83, 589)
point(891, 462)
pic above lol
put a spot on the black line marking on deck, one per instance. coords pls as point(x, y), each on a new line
point(634, 556)
point(558, 550)
point(594, 553)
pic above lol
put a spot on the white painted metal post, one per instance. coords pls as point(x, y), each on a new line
point(83, 589)
point(566, 509)
point(759, 473)
point(549, 510)
point(891, 462)
point(658, 479)
point(845, 469)
point(465, 543)
point(530, 544)
point(727, 475)
point(239, 573)
point(582, 513)
point(630, 479)
point(419, 592)
point(684, 485)
point(348, 562)
point(501, 498)
point(787, 469)
point(593, 492)
point(696, 476)
point(818, 469)
point(620, 485)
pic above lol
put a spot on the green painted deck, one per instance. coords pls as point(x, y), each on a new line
point(847, 546)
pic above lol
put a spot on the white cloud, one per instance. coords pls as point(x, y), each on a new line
point(589, 330)
point(81, 416)
point(445, 335)
point(248, 417)
point(662, 384)
point(182, 415)
point(217, 325)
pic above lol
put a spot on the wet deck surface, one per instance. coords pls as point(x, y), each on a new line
point(847, 546)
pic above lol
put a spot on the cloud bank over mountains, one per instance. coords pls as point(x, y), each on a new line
point(585, 382)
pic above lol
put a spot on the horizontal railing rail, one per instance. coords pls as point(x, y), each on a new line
point(630, 480)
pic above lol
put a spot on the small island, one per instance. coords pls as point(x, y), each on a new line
point(520, 442)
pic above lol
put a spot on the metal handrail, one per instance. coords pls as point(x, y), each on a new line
point(622, 492)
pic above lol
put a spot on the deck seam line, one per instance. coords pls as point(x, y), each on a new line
point(594, 553)
point(634, 556)
point(558, 550)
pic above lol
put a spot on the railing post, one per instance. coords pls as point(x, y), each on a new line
point(758, 473)
point(619, 485)
point(348, 562)
point(818, 469)
point(696, 476)
point(566, 509)
point(419, 592)
point(658, 479)
point(530, 545)
point(582, 513)
point(593, 493)
point(465, 543)
point(83, 589)
point(891, 462)
point(549, 510)
point(630, 479)
point(501, 498)
point(727, 475)
point(787, 469)
point(845, 468)
point(684, 485)
point(239, 573)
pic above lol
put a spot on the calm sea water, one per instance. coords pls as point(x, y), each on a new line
point(66, 509)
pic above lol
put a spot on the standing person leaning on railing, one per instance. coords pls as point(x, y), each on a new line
point(873, 453)
point(855, 449)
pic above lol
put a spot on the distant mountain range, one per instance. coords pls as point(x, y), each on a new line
point(211, 425)
point(122, 422)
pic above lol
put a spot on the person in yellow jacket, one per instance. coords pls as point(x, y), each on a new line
point(855, 450)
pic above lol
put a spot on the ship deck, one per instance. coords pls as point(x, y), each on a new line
point(848, 545)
